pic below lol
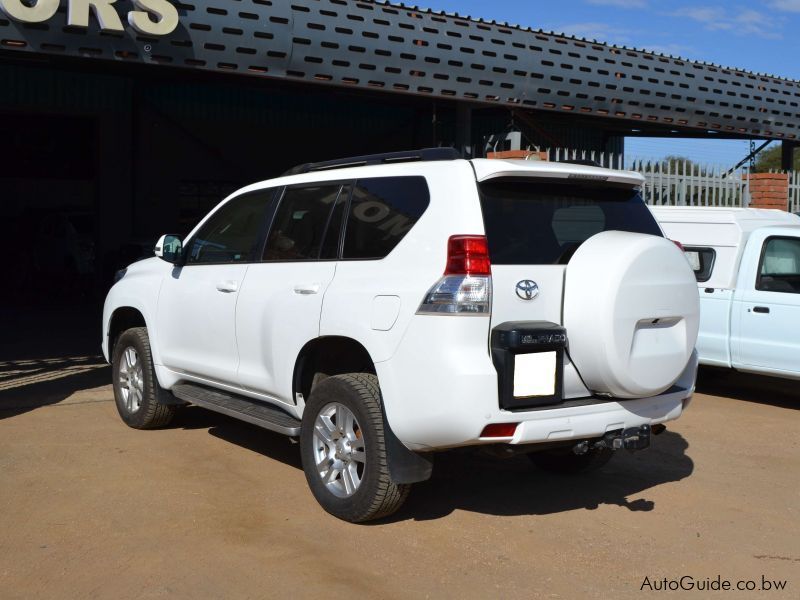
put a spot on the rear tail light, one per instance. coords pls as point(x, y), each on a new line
point(678, 244)
point(466, 288)
point(468, 255)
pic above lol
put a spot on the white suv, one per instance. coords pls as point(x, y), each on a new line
point(385, 307)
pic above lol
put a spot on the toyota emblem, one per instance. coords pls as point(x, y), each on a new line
point(527, 290)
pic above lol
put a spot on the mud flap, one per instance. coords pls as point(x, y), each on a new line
point(405, 466)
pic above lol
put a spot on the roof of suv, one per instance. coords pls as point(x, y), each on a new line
point(485, 169)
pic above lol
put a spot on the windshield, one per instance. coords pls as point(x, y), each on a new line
point(545, 222)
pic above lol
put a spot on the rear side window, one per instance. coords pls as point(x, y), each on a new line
point(382, 211)
point(780, 266)
point(544, 222)
point(298, 230)
point(702, 261)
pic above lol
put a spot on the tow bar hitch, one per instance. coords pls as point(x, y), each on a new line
point(634, 438)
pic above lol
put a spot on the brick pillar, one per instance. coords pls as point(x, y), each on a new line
point(517, 154)
point(769, 190)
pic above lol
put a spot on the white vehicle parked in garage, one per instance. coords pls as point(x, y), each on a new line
point(747, 264)
point(382, 308)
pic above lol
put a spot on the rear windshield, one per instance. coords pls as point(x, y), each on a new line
point(543, 223)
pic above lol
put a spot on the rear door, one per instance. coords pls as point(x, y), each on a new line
point(768, 306)
point(534, 226)
point(281, 298)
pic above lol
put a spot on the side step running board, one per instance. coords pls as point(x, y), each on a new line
point(239, 407)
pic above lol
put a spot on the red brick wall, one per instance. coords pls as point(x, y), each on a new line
point(517, 154)
point(769, 190)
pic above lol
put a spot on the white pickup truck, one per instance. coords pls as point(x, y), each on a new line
point(747, 264)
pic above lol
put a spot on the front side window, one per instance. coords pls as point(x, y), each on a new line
point(780, 266)
point(535, 222)
point(232, 233)
point(382, 211)
point(298, 230)
point(702, 261)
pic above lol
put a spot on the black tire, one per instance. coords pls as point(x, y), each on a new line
point(153, 410)
point(565, 461)
point(376, 496)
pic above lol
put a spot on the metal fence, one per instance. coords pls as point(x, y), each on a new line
point(676, 182)
point(682, 183)
point(794, 192)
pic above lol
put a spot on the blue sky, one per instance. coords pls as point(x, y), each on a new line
point(760, 35)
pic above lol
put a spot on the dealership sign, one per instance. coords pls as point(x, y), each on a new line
point(149, 17)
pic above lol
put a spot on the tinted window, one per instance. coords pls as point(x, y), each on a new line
point(543, 223)
point(299, 226)
point(780, 266)
point(702, 261)
point(232, 233)
point(382, 211)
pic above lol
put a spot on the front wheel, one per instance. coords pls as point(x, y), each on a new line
point(565, 461)
point(344, 452)
point(141, 402)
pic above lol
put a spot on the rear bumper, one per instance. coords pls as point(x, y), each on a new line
point(595, 420)
point(443, 397)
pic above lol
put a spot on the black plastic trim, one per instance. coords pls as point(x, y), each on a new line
point(514, 338)
point(405, 466)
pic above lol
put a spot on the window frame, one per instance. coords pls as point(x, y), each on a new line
point(700, 249)
point(761, 258)
point(341, 183)
point(260, 239)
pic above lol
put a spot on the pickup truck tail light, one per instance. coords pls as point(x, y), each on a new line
point(466, 287)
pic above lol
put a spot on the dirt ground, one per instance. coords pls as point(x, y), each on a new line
point(214, 508)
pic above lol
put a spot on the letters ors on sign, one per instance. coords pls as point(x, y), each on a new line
point(149, 17)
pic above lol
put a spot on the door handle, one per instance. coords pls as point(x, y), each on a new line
point(761, 309)
point(306, 289)
point(228, 287)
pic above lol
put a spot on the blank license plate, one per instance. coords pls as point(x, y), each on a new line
point(535, 374)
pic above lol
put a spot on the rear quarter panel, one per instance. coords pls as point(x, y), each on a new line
point(357, 298)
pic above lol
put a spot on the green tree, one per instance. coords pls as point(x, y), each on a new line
point(770, 159)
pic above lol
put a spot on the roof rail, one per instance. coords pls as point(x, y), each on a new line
point(426, 154)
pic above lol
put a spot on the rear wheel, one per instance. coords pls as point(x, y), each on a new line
point(141, 402)
point(343, 449)
point(564, 460)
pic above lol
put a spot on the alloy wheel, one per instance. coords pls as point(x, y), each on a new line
point(339, 450)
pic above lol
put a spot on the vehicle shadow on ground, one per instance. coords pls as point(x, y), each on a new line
point(29, 384)
point(469, 479)
point(250, 437)
point(761, 389)
point(472, 481)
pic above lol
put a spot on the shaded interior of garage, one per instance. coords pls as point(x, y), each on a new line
point(100, 159)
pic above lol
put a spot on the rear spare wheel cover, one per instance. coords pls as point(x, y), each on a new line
point(632, 311)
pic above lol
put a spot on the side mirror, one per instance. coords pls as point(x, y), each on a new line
point(169, 248)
